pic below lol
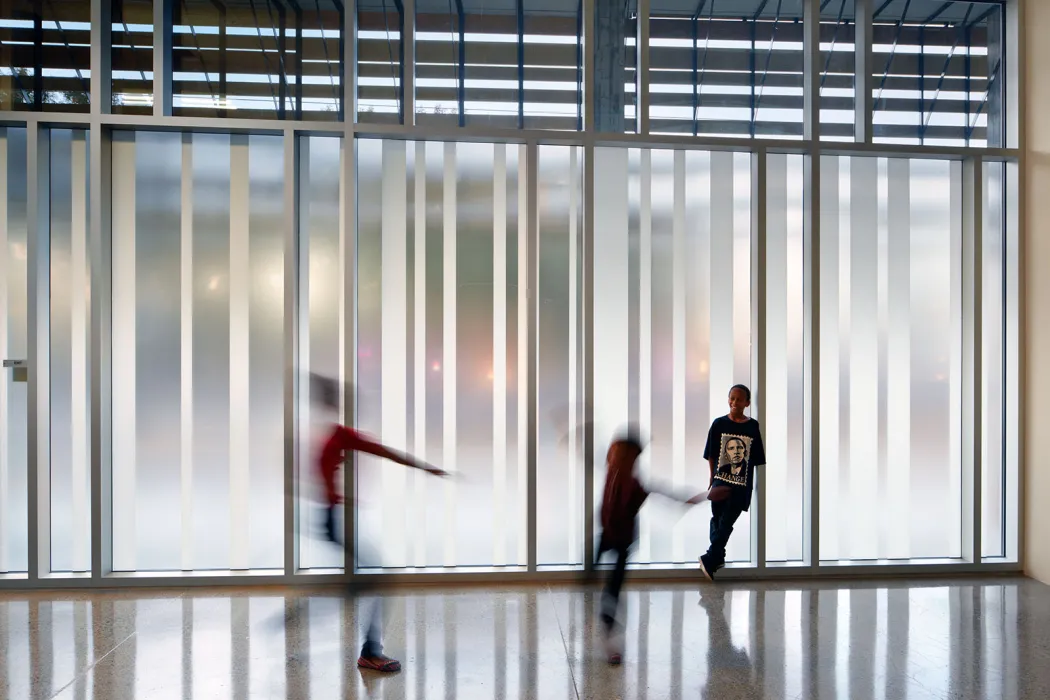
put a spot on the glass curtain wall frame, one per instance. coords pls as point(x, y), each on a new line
point(785, 162)
point(806, 147)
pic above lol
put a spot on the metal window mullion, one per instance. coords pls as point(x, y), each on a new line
point(811, 70)
point(641, 73)
point(587, 45)
point(162, 54)
point(588, 355)
point(759, 159)
point(972, 343)
point(862, 57)
point(101, 57)
point(298, 13)
point(520, 11)
point(38, 228)
point(348, 61)
point(461, 59)
point(348, 192)
point(811, 283)
point(99, 247)
point(408, 62)
point(292, 328)
point(588, 66)
point(1013, 73)
point(532, 329)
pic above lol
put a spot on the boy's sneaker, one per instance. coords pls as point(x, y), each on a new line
point(613, 643)
point(707, 568)
point(372, 657)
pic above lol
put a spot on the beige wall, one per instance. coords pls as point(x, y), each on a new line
point(1036, 231)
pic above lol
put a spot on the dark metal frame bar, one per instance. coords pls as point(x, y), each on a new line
point(520, 11)
point(401, 58)
point(38, 60)
point(461, 72)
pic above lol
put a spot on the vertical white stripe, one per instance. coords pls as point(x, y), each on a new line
point(523, 343)
point(863, 356)
point(722, 276)
point(572, 532)
point(125, 436)
point(843, 267)
point(499, 354)
point(394, 342)
point(885, 517)
point(81, 448)
point(420, 337)
point(240, 347)
point(645, 324)
point(898, 390)
point(186, 340)
point(449, 349)
point(678, 342)
point(956, 372)
point(5, 376)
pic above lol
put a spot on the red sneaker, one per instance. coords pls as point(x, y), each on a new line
point(380, 663)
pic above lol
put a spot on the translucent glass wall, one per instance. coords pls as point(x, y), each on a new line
point(439, 367)
point(14, 344)
point(672, 321)
point(322, 344)
point(783, 397)
point(559, 361)
point(198, 313)
point(70, 358)
point(891, 358)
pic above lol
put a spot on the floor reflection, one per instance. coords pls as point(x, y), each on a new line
point(963, 639)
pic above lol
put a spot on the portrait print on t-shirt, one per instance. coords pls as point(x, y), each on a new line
point(733, 459)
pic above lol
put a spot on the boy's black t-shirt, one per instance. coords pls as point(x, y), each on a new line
point(737, 449)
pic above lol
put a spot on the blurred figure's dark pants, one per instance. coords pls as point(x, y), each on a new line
point(611, 593)
point(363, 591)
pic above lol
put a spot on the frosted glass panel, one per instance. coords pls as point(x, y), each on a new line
point(891, 367)
point(70, 368)
point(14, 535)
point(672, 323)
point(438, 376)
point(783, 397)
point(559, 373)
point(993, 437)
point(323, 252)
point(260, 395)
point(198, 307)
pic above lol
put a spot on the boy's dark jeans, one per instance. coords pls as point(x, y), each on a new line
point(611, 593)
point(724, 515)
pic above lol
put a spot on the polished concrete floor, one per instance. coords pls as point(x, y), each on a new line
point(965, 638)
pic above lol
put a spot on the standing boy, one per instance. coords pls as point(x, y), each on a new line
point(342, 442)
point(734, 449)
point(623, 497)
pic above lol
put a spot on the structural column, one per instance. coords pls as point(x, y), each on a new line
point(609, 66)
point(162, 55)
point(862, 79)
